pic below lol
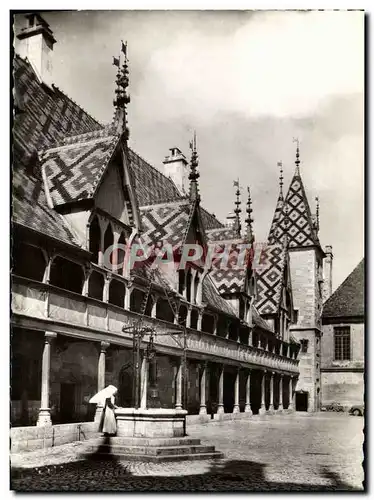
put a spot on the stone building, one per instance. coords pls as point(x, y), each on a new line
point(78, 190)
point(342, 353)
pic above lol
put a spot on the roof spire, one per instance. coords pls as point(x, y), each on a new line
point(122, 98)
point(297, 161)
point(237, 211)
point(280, 165)
point(249, 220)
point(194, 174)
point(317, 213)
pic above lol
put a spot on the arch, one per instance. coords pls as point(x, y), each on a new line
point(28, 261)
point(164, 311)
point(116, 293)
point(108, 241)
point(194, 318)
point(67, 275)
point(207, 324)
point(121, 253)
point(136, 300)
point(182, 314)
point(221, 326)
point(94, 238)
point(96, 285)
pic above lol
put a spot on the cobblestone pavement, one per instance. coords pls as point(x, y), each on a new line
point(299, 452)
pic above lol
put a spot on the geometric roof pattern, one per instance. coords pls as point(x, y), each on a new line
point(348, 300)
point(222, 234)
point(228, 277)
point(165, 223)
point(213, 298)
point(295, 219)
point(276, 217)
point(73, 171)
point(269, 279)
point(30, 208)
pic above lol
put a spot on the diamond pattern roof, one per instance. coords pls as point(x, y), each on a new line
point(74, 170)
point(295, 219)
point(269, 279)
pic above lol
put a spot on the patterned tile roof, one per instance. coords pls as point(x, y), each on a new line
point(165, 222)
point(269, 279)
point(30, 208)
point(222, 233)
point(260, 322)
point(348, 300)
point(277, 215)
point(48, 115)
point(209, 220)
point(295, 218)
point(213, 298)
point(152, 187)
point(74, 170)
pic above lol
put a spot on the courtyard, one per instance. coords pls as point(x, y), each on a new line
point(284, 452)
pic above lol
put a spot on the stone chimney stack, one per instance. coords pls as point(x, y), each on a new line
point(36, 43)
point(327, 285)
point(176, 167)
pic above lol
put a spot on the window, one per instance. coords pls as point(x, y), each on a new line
point(304, 345)
point(342, 343)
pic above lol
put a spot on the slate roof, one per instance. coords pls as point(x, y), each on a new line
point(348, 300)
point(222, 233)
point(213, 298)
point(295, 218)
point(269, 279)
point(74, 170)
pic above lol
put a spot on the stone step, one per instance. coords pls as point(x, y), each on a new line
point(161, 458)
point(140, 441)
point(117, 450)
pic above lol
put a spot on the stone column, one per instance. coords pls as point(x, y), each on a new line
point(220, 406)
point(188, 318)
point(178, 398)
point(199, 320)
point(271, 405)
point(101, 376)
point(290, 395)
point(202, 410)
point(250, 340)
point(154, 306)
point(280, 407)
point(236, 401)
point(247, 408)
point(144, 383)
point(262, 409)
point(101, 366)
point(128, 293)
point(44, 417)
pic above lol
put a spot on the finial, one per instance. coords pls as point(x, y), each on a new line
point(317, 213)
point(194, 174)
point(297, 161)
point(249, 220)
point(122, 98)
point(280, 165)
point(237, 211)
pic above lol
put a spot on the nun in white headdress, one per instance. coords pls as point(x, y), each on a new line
point(106, 398)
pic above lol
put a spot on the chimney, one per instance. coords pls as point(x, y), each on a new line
point(230, 219)
point(176, 167)
point(327, 285)
point(36, 43)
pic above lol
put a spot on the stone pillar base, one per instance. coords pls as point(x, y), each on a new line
point(247, 409)
point(236, 409)
point(220, 410)
point(262, 410)
point(202, 410)
point(271, 410)
point(280, 409)
point(44, 417)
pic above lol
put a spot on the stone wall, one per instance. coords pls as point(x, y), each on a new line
point(343, 387)
point(357, 346)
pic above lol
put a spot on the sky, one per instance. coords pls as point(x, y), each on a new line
point(248, 82)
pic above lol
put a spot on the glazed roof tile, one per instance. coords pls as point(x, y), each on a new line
point(295, 218)
point(269, 279)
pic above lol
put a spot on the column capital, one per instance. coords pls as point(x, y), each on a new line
point(49, 336)
point(104, 345)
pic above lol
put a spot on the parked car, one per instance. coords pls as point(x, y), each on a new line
point(334, 407)
point(357, 410)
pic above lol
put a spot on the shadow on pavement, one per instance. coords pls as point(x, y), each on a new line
point(96, 473)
